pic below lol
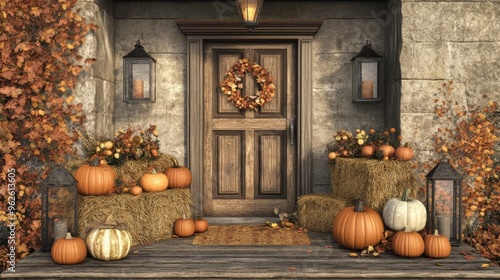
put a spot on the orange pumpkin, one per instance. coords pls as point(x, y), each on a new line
point(179, 177)
point(69, 250)
point(136, 190)
point(332, 155)
point(437, 246)
point(408, 244)
point(184, 227)
point(95, 179)
point(367, 151)
point(154, 182)
point(404, 153)
point(200, 225)
point(387, 151)
point(357, 228)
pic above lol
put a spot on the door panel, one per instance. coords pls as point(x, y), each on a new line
point(249, 161)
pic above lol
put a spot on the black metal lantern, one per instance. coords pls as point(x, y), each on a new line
point(250, 11)
point(139, 76)
point(444, 202)
point(366, 75)
point(59, 207)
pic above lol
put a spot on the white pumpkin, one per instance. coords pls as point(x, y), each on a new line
point(405, 213)
point(108, 244)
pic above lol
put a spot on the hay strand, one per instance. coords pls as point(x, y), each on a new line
point(317, 211)
point(371, 181)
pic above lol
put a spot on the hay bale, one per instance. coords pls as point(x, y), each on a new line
point(149, 217)
point(317, 211)
point(371, 181)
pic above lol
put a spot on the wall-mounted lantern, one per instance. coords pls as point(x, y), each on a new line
point(139, 76)
point(444, 202)
point(366, 75)
point(250, 11)
point(59, 207)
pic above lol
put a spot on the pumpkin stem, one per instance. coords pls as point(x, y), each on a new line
point(406, 144)
point(110, 221)
point(436, 232)
point(68, 235)
point(358, 207)
point(95, 162)
point(175, 163)
point(405, 194)
point(154, 171)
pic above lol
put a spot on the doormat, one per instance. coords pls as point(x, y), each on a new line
point(250, 235)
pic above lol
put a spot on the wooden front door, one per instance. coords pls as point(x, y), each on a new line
point(249, 156)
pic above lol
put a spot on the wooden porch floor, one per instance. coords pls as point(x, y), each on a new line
point(178, 259)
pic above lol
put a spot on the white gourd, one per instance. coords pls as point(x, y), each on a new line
point(405, 213)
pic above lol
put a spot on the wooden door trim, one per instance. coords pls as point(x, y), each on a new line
point(195, 112)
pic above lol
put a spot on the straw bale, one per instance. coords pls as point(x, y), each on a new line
point(371, 181)
point(317, 211)
point(149, 217)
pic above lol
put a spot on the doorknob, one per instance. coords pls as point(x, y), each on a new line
point(292, 131)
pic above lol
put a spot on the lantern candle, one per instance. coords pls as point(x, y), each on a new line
point(444, 225)
point(367, 89)
point(60, 229)
point(138, 89)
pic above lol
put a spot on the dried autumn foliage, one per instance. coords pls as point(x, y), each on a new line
point(469, 142)
point(39, 69)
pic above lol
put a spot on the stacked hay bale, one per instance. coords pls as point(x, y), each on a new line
point(149, 216)
point(371, 181)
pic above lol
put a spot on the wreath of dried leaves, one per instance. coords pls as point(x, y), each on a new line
point(232, 85)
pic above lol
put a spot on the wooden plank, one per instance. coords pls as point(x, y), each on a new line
point(178, 258)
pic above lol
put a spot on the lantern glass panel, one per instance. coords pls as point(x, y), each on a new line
point(141, 87)
point(444, 208)
point(369, 80)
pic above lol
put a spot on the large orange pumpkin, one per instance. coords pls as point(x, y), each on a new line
point(69, 250)
point(408, 244)
point(95, 179)
point(437, 246)
point(154, 182)
point(357, 228)
point(179, 177)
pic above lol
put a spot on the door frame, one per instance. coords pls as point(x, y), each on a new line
point(197, 32)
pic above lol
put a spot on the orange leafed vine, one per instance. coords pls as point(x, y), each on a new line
point(39, 41)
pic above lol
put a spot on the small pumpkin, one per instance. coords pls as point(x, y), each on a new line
point(408, 244)
point(200, 225)
point(136, 190)
point(184, 227)
point(367, 151)
point(109, 241)
point(332, 155)
point(95, 179)
point(356, 227)
point(437, 246)
point(406, 212)
point(154, 182)
point(404, 153)
point(179, 177)
point(69, 250)
point(387, 150)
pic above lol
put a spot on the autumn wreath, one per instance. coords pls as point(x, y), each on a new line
point(233, 84)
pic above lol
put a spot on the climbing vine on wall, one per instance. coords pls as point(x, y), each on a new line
point(469, 142)
point(39, 41)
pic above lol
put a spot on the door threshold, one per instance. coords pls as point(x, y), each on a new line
point(240, 220)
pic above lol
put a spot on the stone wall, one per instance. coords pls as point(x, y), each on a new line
point(345, 29)
point(96, 89)
point(442, 41)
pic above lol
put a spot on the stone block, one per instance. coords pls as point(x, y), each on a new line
point(427, 61)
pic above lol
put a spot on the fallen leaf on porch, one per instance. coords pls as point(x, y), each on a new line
point(353, 255)
point(485, 265)
point(309, 251)
point(469, 257)
point(439, 264)
point(328, 246)
point(292, 268)
point(136, 251)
